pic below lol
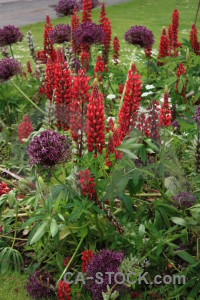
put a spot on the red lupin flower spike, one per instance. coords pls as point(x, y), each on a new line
point(116, 48)
point(130, 106)
point(194, 40)
point(113, 142)
point(175, 25)
point(86, 259)
point(95, 122)
point(85, 58)
point(86, 11)
point(87, 184)
point(170, 37)
point(29, 69)
point(48, 44)
point(99, 67)
point(64, 291)
point(75, 22)
point(165, 112)
point(24, 129)
point(148, 52)
point(62, 94)
point(106, 40)
point(153, 121)
point(181, 71)
point(164, 45)
point(80, 99)
point(102, 13)
point(143, 124)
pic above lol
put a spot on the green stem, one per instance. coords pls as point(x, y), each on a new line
point(11, 51)
point(12, 238)
point(69, 263)
point(15, 232)
point(27, 98)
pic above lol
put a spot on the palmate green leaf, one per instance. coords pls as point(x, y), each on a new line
point(5, 260)
point(53, 227)
point(39, 233)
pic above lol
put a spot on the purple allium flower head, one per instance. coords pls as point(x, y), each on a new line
point(60, 34)
point(104, 261)
point(139, 35)
point(10, 35)
point(38, 285)
point(88, 33)
point(8, 68)
point(66, 7)
point(197, 115)
point(183, 200)
point(49, 148)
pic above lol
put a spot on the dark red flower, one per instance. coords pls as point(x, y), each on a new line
point(85, 59)
point(106, 25)
point(3, 189)
point(99, 68)
point(87, 184)
point(64, 291)
point(86, 11)
point(80, 99)
point(165, 112)
point(164, 45)
point(75, 22)
point(181, 71)
point(113, 142)
point(28, 65)
point(148, 52)
point(194, 40)
point(153, 121)
point(102, 13)
point(24, 129)
point(116, 48)
point(86, 259)
point(95, 121)
point(62, 94)
point(130, 106)
point(48, 44)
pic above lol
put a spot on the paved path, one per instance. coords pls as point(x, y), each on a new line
point(23, 12)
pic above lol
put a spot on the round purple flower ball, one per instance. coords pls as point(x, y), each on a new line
point(9, 67)
point(60, 34)
point(38, 285)
point(66, 7)
point(10, 35)
point(183, 200)
point(104, 261)
point(88, 33)
point(49, 148)
point(140, 36)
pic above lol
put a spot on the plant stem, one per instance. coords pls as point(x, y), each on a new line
point(15, 232)
point(197, 13)
point(66, 268)
point(11, 51)
point(27, 98)
point(12, 238)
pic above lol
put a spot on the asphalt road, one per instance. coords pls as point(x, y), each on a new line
point(23, 12)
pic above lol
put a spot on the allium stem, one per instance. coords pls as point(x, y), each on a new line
point(11, 51)
point(69, 263)
point(27, 98)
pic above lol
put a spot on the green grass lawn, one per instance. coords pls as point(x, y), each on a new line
point(150, 13)
point(12, 287)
